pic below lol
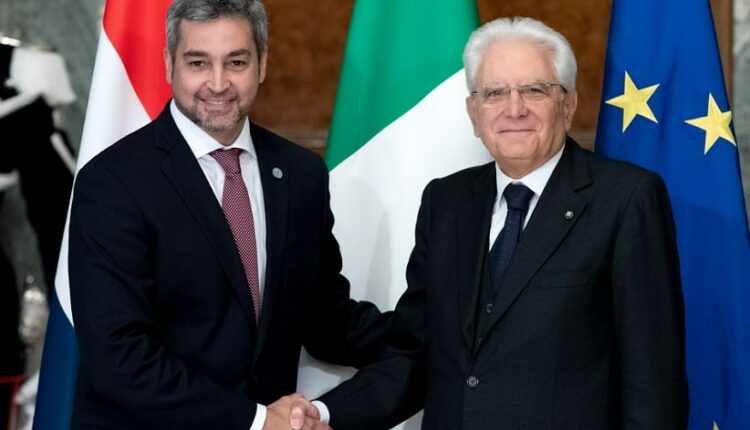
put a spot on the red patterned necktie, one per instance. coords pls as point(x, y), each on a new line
point(239, 214)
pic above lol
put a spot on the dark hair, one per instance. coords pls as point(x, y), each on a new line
point(252, 11)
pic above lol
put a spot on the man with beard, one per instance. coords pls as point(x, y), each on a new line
point(201, 250)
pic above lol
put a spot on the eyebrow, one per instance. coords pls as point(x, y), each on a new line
point(202, 54)
point(239, 52)
point(529, 82)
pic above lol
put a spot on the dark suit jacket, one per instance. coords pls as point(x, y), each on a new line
point(586, 330)
point(162, 310)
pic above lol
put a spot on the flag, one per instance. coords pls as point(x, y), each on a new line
point(664, 107)
point(399, 121)
point(128, 89)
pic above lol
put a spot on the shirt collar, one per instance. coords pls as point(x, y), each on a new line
point(536, 180)
point(201, 143)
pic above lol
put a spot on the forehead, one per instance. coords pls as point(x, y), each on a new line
point(224, 33)
point(513, 61)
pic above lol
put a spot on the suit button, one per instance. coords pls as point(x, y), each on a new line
point(472, 382)
point(489, 307)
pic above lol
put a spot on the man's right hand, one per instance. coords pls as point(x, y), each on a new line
point(303, 413)
point(293, 412)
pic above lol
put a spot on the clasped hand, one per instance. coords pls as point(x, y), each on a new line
point(293, 412)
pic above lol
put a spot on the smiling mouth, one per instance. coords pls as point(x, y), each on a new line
point(525, 130)
point(217, 102)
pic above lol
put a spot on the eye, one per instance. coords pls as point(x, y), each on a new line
point(535, 89)
point(196, 64)
point(495, 93)
point(237, 64)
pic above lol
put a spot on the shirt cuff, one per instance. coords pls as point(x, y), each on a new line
point(260, 417)
point(325, 414)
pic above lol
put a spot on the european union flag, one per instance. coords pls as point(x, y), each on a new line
point(664, 107)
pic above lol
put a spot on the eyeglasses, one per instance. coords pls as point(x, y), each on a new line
point(533, 92)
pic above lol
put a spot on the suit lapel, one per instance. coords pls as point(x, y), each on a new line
point(472, 232)
point(183, 171)
point(274, 178)
point(558, 209)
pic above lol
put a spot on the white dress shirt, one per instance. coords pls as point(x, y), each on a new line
point(202, 144)
point(535, 181)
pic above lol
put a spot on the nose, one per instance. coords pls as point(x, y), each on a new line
point(218, 81)
point(515, 107)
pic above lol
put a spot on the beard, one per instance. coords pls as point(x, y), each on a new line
point(215, 119)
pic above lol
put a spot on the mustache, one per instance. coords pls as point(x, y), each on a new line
point(227, 95)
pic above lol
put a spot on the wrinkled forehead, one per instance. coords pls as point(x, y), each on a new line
point(231, 31)
point(514, 61)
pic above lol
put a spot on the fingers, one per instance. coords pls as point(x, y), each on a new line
point(296, 412)
point(297, 418)
point(302, 411)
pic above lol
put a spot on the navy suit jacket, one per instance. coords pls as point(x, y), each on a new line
point(586, 331)
point(162, 310)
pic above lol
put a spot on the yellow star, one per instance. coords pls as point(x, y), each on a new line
point(715, 124)
point(634, 102)
point(715, 426)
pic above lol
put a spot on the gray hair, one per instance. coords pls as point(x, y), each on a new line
point(532, 30)
point(252, 11)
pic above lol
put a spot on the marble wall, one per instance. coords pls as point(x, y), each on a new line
point(71, 28)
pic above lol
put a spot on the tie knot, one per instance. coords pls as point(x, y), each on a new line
point(229, 159)
point(518, 196)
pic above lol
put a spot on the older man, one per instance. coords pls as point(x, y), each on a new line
point(543, 289)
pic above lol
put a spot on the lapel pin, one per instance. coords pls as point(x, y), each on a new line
point(277, 173)
point(568, 214)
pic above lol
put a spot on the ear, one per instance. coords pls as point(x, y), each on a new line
point(471, 109)
point(168, 65)
point(262, 65)
point(569, 106)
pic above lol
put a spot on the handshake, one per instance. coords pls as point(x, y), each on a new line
point(293, 412)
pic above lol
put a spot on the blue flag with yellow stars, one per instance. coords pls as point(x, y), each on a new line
point(664, 107)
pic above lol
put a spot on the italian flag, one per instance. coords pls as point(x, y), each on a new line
point(399, 121)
